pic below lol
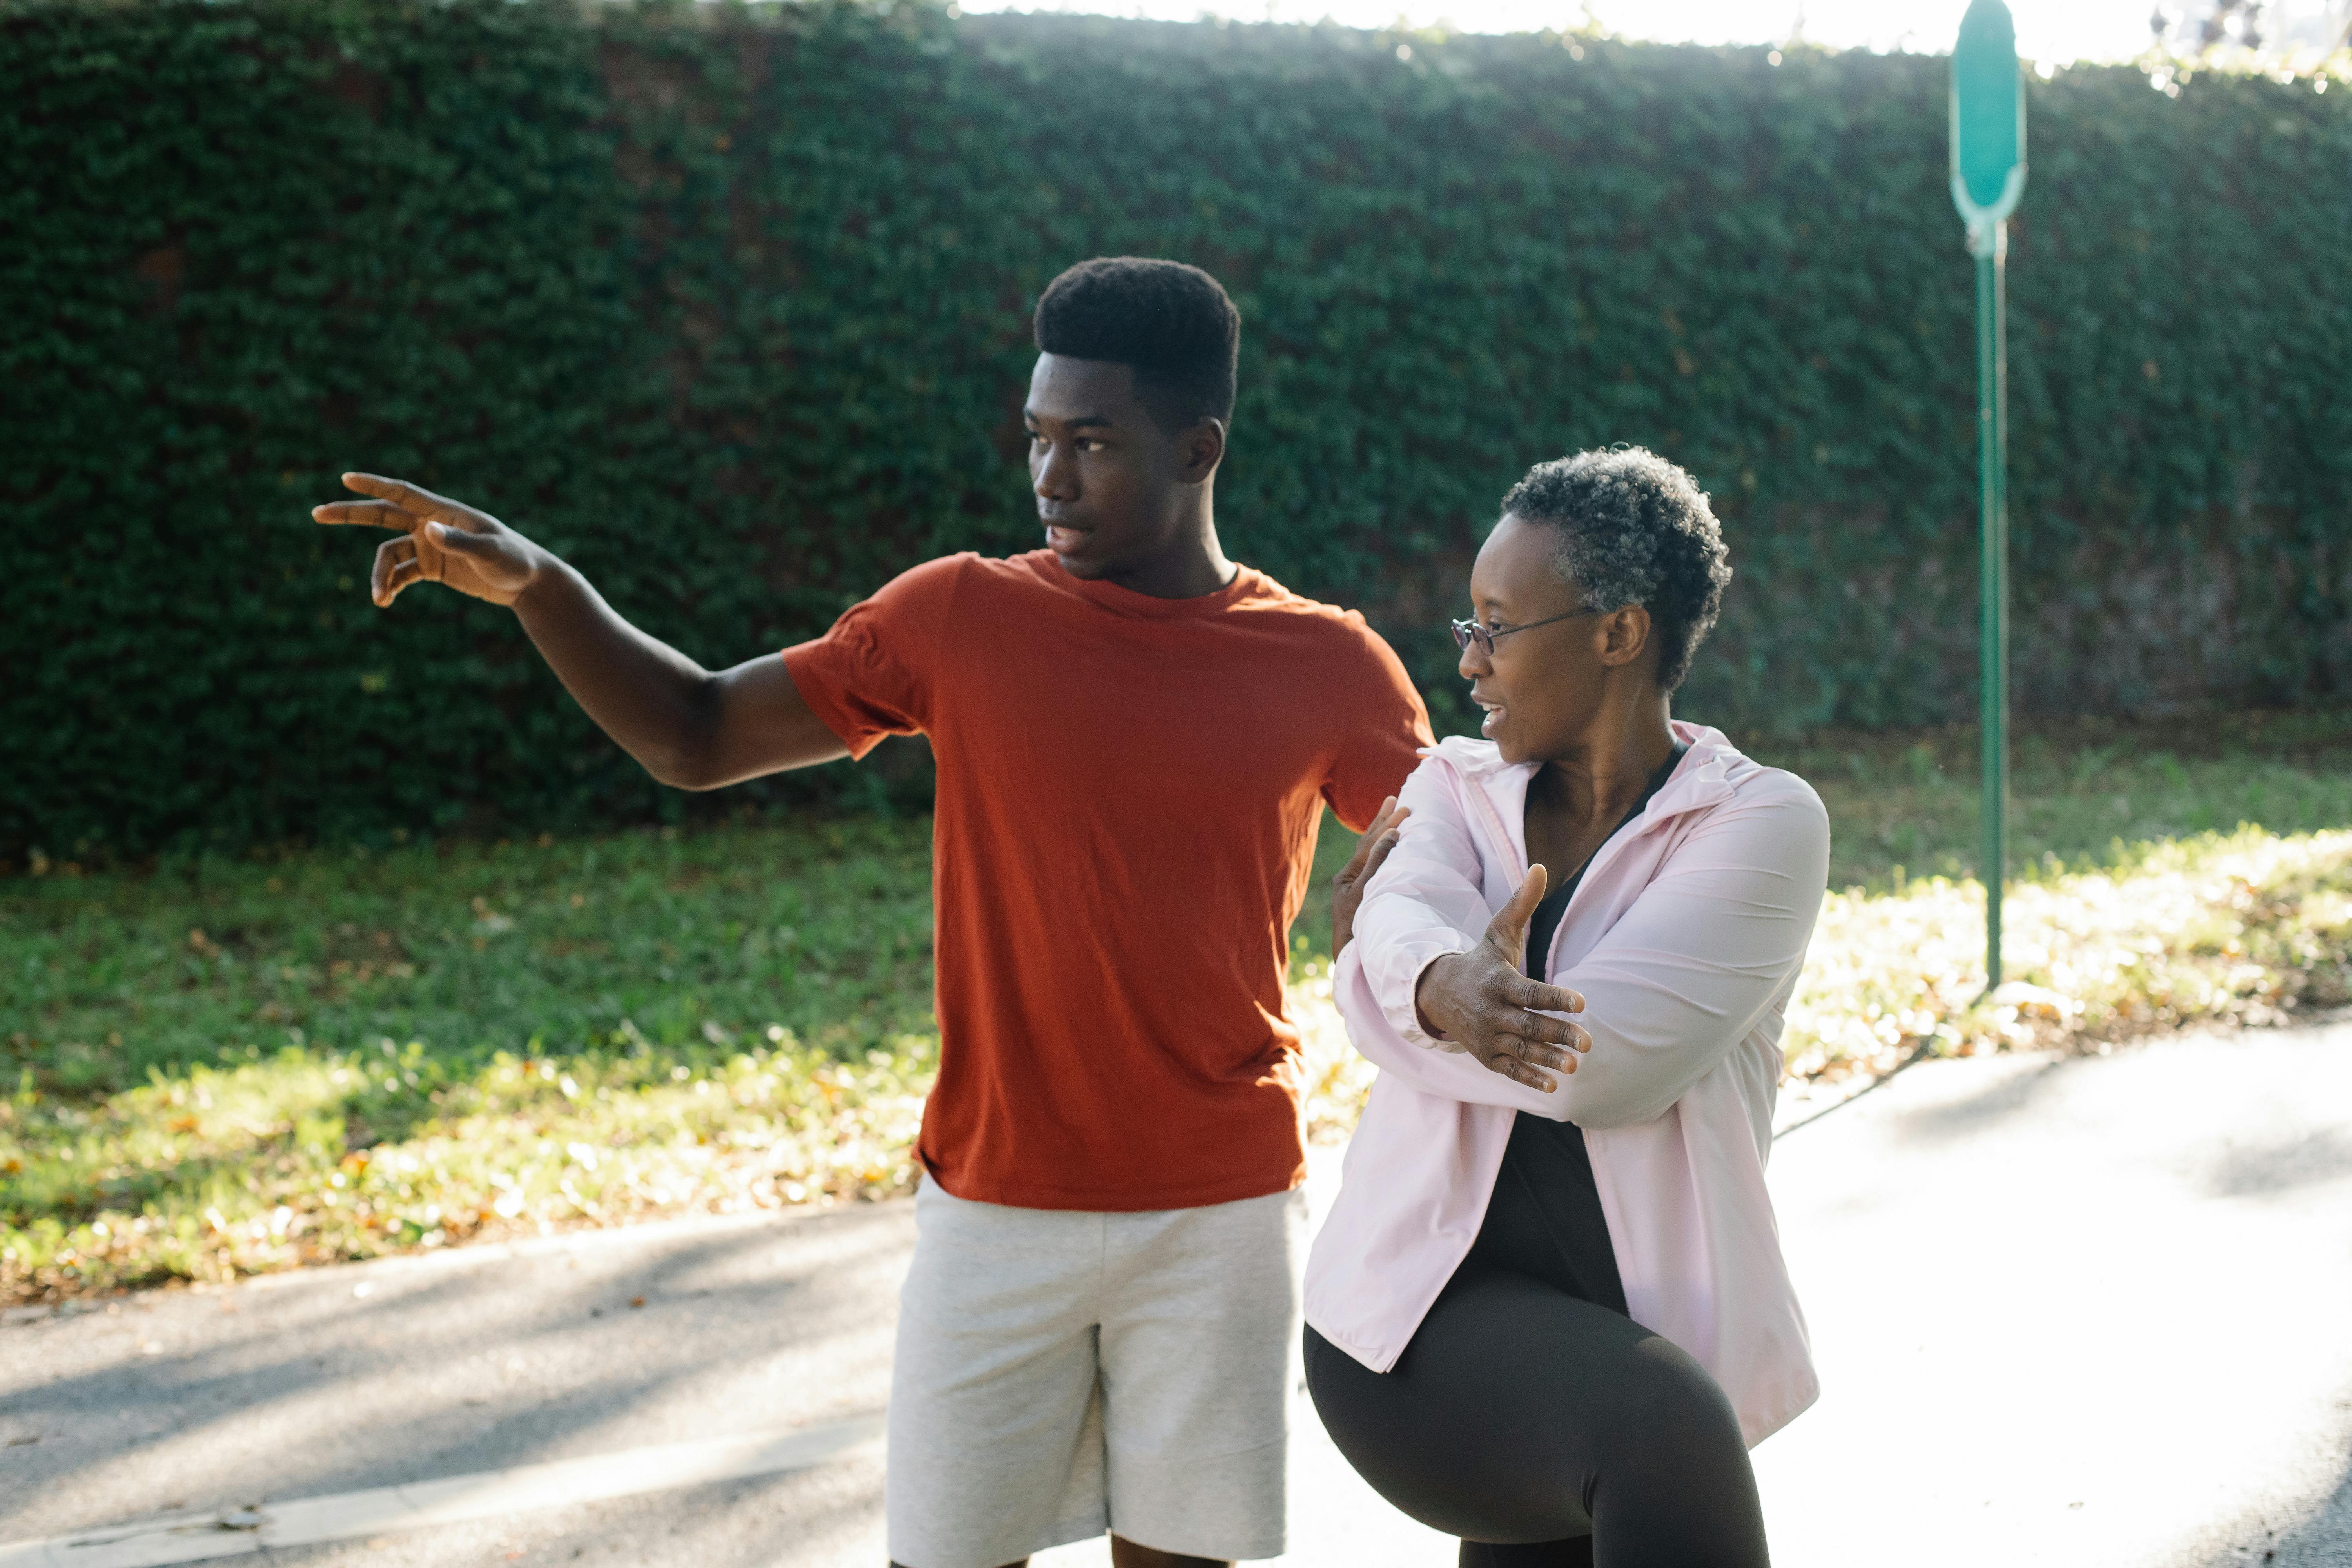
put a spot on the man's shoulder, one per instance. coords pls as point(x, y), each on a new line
point(1268, 595)
point(1342, 631)
point(1030, 568)
point(935, 581)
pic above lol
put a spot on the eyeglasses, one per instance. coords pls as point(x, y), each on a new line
point(1468, 632)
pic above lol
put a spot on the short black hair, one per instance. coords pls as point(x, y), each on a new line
point(1633, 529)
point(1172, 324)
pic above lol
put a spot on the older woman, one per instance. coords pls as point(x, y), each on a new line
point(1548, 1314)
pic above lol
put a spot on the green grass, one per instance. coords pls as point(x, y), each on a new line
point(2086, 794)
point(229, 1065)
point(217, 1066)
point(641, 942)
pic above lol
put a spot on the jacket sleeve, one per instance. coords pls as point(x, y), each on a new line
point(1688, 970)
point(1424, 903)
point(1430, 1067)
point(1681, 979)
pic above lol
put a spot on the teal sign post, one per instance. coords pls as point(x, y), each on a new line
point(1987, 178)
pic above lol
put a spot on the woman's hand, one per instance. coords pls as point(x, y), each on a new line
point(1481, 1000)
point(442, 541)
point(1348, 884)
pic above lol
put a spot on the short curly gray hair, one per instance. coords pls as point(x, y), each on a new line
point(1633, 529)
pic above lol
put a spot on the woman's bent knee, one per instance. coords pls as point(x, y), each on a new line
point(1667, 1402)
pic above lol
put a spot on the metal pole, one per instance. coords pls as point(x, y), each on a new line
point(1989, 244)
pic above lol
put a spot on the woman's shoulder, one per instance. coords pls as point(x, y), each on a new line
point(1458, 767)
point(1449, 798)
point(1780, 787)
point(1465, 756)
point(1747, 785)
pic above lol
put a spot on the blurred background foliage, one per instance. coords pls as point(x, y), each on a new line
point(729, 305)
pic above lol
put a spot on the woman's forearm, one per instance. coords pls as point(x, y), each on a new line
point(1432, 1070)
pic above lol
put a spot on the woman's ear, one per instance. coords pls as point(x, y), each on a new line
point(1624, 635)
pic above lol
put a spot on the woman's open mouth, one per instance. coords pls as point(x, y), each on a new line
point(1494, 719)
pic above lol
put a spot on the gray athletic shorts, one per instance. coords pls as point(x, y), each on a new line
point(1061, 1374)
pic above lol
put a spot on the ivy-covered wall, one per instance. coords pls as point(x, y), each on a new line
point(730, 306)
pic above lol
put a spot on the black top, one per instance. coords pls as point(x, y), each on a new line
point(1545, 923)
point(1545, 1220)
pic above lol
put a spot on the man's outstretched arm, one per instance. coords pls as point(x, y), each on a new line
point(692, 729)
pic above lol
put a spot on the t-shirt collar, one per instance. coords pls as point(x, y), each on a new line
point(1245, 581)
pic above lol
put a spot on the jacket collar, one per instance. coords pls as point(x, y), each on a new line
point(1708, 774)
point(1706, 777)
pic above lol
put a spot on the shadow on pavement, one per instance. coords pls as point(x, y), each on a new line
point(825, 1517)
point(2322, 1539)
point(1971, 1114)
point(2307, 1160)
point(495, 1363)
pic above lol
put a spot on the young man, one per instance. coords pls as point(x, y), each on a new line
point(1135, 737)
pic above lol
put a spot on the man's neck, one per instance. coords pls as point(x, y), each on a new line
point(1190, 568)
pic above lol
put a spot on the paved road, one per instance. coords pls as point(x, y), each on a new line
point(2079, 1311)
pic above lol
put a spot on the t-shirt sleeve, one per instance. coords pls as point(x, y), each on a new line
point(875, 672)
point(1387, 731)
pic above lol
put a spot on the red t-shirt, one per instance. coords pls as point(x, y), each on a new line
point(1128, 791)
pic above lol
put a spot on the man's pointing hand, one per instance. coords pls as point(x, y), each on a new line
point(443, 542)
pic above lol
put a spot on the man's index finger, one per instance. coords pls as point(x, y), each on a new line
point(407, 497)
point(364, 514)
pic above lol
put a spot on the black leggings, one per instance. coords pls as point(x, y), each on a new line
point(1546, 1431)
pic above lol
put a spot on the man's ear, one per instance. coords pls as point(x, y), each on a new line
point(1199, 450)
point(1624, 635)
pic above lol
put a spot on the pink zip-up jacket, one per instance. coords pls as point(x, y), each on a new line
point(1685, 939)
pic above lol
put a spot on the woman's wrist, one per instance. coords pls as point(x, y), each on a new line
point(1429, 1025)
